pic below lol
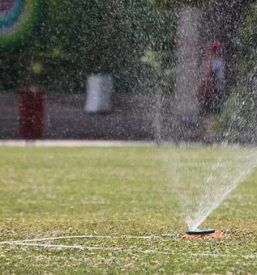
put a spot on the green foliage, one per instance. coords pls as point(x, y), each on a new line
point(238, 121)
point(106, 37)
point(116, 34)
point(247, 40)
point(162, 77)
point(171, 4)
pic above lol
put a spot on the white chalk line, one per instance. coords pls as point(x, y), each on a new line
point(173, 235)
point(93, 237)
point(125, 250)
point(108, 143)
point(74, 143)
point(31, 243)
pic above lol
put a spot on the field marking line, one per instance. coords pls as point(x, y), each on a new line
point(120, 249)
point(93, 237)
point(76, 247)
point(74, 143)
point(109, 143)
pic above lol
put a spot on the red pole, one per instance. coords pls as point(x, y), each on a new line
point(38, 112)
point(24, 113)
point(31, 113)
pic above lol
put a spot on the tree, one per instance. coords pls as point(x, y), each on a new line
point(170, 4)
point(238, 122)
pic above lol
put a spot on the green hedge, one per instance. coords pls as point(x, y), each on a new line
point(108, 37)
point(238, 123)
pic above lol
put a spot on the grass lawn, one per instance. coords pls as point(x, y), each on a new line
point(118, 192)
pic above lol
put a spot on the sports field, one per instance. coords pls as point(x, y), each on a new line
point(125, 194)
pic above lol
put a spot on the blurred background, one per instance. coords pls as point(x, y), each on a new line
point(87, 69)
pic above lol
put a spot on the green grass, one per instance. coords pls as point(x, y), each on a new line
point(49, 192)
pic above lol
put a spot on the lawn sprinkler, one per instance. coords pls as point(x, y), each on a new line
point(201, 233)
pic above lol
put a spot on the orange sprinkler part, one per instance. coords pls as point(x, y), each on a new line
point(207, 235)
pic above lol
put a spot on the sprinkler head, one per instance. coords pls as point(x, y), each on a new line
point(201, 233)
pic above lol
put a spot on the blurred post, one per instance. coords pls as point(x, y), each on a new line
point(31, 113)
point(99, 91)
point(188, 44)
point(158, 116)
